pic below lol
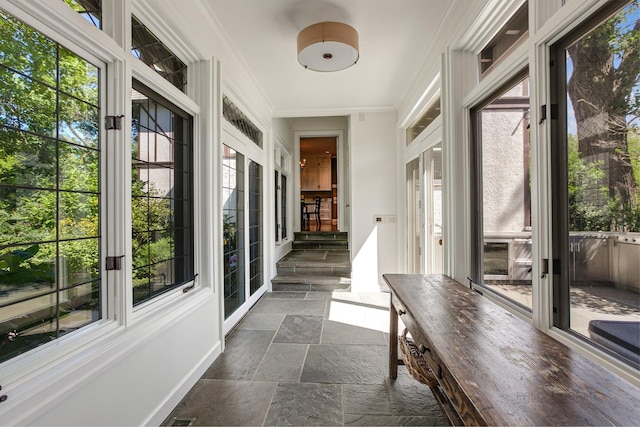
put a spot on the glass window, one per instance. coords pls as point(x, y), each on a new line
point(161, 195)
point(280, 206)
point(512, 34)
point(233, 229)
point(50, 243)
point(277, 206)
point(501, 153)
point(240, 121)
point(91, 10)
point(255, 227)
point(424, 121)
point(596, 203)
point(283, 207)
point(146, 47)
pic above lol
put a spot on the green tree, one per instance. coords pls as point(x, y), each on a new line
point(606, 66)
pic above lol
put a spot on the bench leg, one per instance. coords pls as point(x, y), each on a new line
point(393, 342)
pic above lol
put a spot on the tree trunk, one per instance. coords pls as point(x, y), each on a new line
point(598, 91)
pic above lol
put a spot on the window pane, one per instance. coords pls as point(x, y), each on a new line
point(276, 204)
point(146, 47)
point(31, 159)
point(598, 159)
point(78, 122)
point(27, 105)
point(283, 204)
point(16, 39)
point(255, 225)
point(502, 141)
point(509, 36)
point(50, 280)
point(233, 229)
point(161, 185)
point(70, 67)
point(76, 215)
point(91, 10)
point(424, 121)
point(240, 121)
point(29, 215)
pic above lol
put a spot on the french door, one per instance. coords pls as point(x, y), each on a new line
point(243, 233)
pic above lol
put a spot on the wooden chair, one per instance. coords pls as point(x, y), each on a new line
point(315, 212)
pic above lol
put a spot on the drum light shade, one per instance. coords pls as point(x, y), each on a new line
point(328, 46)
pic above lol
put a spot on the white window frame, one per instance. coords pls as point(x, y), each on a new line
point(91, 346)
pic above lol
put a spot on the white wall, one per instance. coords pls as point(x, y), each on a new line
point(373, 172)
point(135, 376)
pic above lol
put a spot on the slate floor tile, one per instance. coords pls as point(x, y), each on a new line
point(285, 295)
point(342, 364)
point(306, 405)
point(366, 399)
point(260, 321)
point(243, 353)
point(283, 362)
point(342, 333)
point(290, 306)
point(409, 397)
point(300, 329)
point(225, 403)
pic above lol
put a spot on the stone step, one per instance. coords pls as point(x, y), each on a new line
point(320, 244)
point(315, 262)
point(322, 235)
point(307, 283)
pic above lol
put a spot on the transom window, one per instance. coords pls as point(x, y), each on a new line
point(91, 10)
point(424, 121)
point(240, 121)
point(50, 191)
point(150, 50)
point(511, 35)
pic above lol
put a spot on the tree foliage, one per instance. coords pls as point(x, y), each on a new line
point(603, 89)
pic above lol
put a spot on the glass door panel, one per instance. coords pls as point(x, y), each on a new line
point(433, 209)
point(233, 229)
point(414, 220)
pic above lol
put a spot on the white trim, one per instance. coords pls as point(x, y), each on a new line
point(331, 112)
point(160, 22)
point(70, 369)
point(59, 22)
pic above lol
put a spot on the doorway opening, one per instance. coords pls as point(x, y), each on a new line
point(319, 184)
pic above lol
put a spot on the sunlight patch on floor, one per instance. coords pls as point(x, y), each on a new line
point(364, 310)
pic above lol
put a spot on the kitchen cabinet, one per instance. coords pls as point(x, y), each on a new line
point(316, 176)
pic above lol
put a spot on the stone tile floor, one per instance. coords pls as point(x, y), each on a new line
point(309, 358)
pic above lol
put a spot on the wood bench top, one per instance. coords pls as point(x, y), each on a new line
point(511, 372)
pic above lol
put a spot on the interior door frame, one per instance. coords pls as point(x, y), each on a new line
point(340, 157)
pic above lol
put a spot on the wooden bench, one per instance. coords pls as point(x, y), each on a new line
point(494, 368)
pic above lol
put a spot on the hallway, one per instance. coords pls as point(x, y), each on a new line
point(308, 358)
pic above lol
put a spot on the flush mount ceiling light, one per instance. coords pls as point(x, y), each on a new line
point(328, 46)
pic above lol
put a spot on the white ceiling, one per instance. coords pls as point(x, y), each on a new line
point(394, 39)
